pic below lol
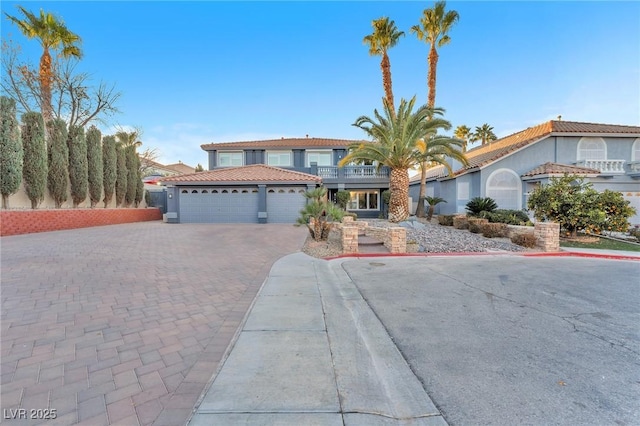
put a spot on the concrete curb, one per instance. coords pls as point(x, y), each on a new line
point(311, 351)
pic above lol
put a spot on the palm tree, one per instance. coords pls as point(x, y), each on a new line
point(125, 138)
point(385, 36)
point(463, 133)
point(483, 133)
point(52, 34)
point(433, 30)
point(399, 143)
point(433, 202)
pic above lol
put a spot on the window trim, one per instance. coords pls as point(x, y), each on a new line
point(230, 159)
point(518, 187)
point(635, 147)
point(365, 191)
point(586, 139)
point(290, 153)
point(319, 151)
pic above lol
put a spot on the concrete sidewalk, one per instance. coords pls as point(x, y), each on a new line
point(312, 352)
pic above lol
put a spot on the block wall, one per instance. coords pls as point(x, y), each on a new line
point(15, 222)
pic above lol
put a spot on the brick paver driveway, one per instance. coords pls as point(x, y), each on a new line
point(125, 324)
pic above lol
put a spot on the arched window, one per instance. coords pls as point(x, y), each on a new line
point(505, 188)
point(195, 191)
point(635, 150)
point(592, 149)
point(184, 191)
point(204, 191)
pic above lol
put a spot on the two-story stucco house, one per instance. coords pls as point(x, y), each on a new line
point(264, 181)
point(508, 169)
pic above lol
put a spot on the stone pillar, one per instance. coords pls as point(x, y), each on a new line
point(547, 236)
point(349, 239)
point(397, 240)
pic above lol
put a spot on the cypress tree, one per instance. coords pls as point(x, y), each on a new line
point(121, 176)
point(11, 153)
point(78, 173)
point(94, 162)
point(34, 171)
point(109, 168)
point(132, 175)
point(58, 162)
point(139, 183)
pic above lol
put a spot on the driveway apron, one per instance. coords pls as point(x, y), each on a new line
point(125, 324)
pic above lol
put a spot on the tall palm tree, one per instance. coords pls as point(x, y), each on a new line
point(433, 30)
point(464, 134)
point(484, 133)
point(399, 143)
point(52, 34)
point(385, 36)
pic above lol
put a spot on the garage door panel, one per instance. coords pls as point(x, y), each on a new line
point(284, 204)
point(219, 206)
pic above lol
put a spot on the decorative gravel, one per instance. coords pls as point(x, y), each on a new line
point(432, 238)
point(435, 238)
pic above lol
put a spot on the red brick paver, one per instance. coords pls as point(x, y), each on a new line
point(126, 324)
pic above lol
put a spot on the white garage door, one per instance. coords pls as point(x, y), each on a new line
point(284, 204)
point(219, 205)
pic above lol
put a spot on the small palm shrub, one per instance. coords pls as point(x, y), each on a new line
point(445, 219)
point(495, 230)
point(433, 202)
point(475, 224)
point(477, 205)
point(461, 222)
point(524, 240)
point(318, 214)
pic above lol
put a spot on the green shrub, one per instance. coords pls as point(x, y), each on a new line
point(132, 175)
point(575, 205)
point(445, 219)
point(477, 205)
point(510, 217)
point(147, 199)
point(318, 213)
point(433, 201)
point(475, 224)
point(524, 240)
point(461, 222)
point(342, 199)
point(11, 153)
point(635, 232)
point(495, 230)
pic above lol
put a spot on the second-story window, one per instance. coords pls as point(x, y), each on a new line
point(228, 159)
point(322, 158)
point(279, 158)
point(592, 149)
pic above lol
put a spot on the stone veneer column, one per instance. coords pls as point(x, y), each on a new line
point(397, 241)
point(547, 236)
point(349, 239)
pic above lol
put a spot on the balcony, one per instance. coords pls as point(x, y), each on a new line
point(606, 167)
point(353, 172)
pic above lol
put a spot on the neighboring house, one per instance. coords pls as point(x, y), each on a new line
point(153, 168)
point(508, 169)
point(275, 174)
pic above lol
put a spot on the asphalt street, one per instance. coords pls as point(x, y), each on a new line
point(509, 340)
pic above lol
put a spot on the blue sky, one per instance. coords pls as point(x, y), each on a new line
point(201, 72)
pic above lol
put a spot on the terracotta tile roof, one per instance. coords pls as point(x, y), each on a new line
point(181, 168)
point(560, 169)
point(253, 173)
point(486, 154)
point(281, 143)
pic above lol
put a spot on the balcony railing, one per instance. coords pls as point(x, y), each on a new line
point(605, 166)
point(634, 166)
point(353, 172)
